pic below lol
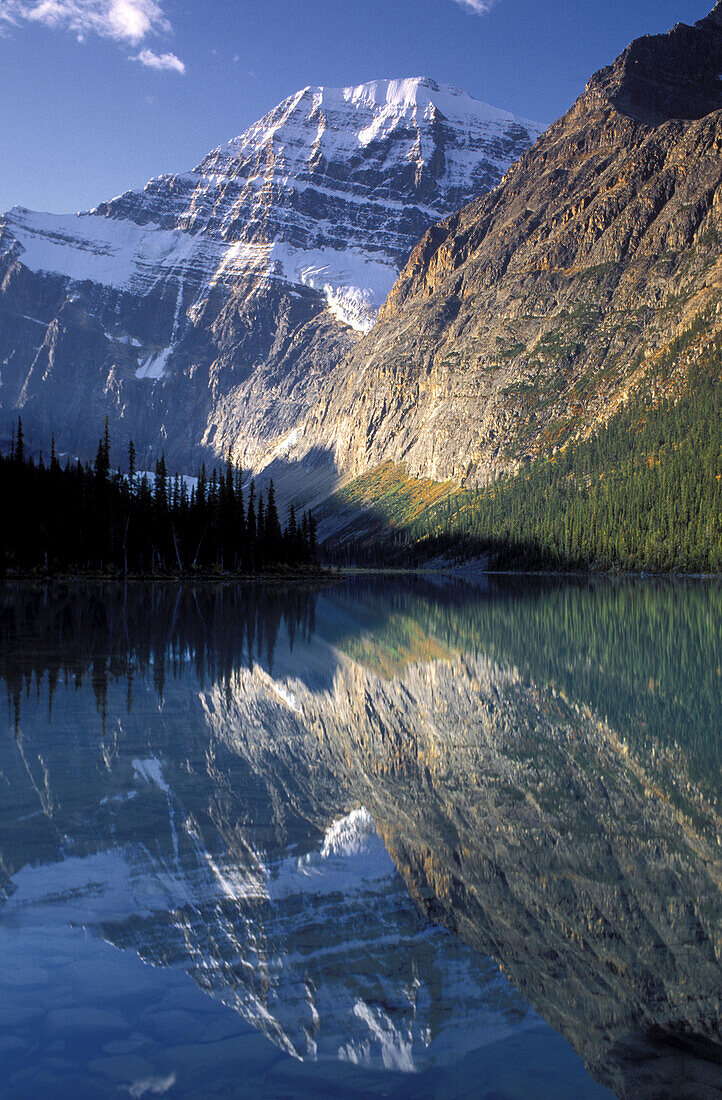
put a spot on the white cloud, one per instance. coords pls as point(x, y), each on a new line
point(480, 7)
point(164, 62)
point(129, 22)
point(124, 20)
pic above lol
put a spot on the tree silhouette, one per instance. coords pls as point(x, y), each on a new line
point(94, 518)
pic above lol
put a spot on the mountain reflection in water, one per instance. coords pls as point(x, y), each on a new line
point(250, 786)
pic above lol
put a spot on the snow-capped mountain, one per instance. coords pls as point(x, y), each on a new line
point(205, 310)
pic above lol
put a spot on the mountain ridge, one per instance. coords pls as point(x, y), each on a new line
point(522, 321)
point(229, 292)
point(673, 75)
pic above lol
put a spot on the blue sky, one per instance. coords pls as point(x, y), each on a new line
point(97, 96)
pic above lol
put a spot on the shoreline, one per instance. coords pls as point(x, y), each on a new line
point(315, 576)
point(480, 571)
point(334, 574)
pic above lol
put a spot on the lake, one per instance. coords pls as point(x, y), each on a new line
point(405, 837)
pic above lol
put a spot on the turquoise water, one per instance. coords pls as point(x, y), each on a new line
point(400, 839)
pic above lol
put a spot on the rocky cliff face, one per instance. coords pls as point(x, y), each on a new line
point(524, 320)
point(208, 309)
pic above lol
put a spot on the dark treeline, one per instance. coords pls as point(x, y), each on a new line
point(88, 517)
point(643, 493)
point(93, 633)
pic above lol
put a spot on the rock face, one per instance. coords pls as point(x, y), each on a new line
point(524, 320)
point(208, 309)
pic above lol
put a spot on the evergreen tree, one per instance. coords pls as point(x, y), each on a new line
point(131, 464)
point(161, 483)
point(312, 538)
point(19, 452)
point(274, 535)
point(85, 518)
point(251, 520)
point(261, 526)
point(292, 533)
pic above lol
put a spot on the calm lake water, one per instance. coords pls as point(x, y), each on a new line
point(396, 838)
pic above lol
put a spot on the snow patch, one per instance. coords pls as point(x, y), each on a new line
point(352, 835)
point(352, 858)
point(155, 1086)
point(287, 697)
point(354, 283)
point(236, 884)
point(151, 772)
point(153, 366)
point(395, 1046)
point(352, 306)
point(90, 247)
point(126, 796)
point(190, 481)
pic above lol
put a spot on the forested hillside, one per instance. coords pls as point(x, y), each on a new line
point(644, 492)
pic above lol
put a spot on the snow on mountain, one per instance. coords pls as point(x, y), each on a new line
point(208, 311)
point(330, 190)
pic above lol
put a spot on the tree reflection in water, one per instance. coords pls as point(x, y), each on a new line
point(541, 759)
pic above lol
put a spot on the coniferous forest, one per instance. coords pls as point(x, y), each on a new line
point(89, 517)
point(643, 493)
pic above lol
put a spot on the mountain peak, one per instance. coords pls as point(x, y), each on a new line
point(372, 109)
point(245, 280)
point(667, 76)
point(715, 16)
point(414, 92)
